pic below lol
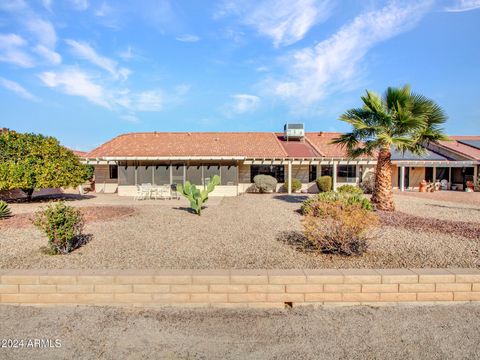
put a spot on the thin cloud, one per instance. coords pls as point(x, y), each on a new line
point(41, 29)
point(76, 82)
point(333, 64)
point(50, 56)
point(12, 50)
point(86, 52)
point(17, 89)
point(131, 118)
point(463, 5)
point(187, 38)
point(284, 21)
point(243, 103)
point(80, 5)
point(47, 4)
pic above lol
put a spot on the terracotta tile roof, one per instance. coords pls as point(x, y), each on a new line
point(298, 149)
point(322, 143)
point(463, 149)
point(248, 144)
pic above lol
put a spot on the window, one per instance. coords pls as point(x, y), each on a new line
point(327, 170)
point(346, 173)
point(161, 175)
point(312, 173)
point(113, 171)
point(277, 171)
point(228, 175)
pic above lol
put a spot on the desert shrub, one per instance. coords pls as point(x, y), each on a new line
point(296, 185)
point(350, 189)
point(62, 224)
point(265, 183)
point(341, 229)
point(315, 205)
point(368, 183)
point(324, 183)
point(4, 210)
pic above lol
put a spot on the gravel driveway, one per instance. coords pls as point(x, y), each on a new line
point(439, 332)
point(249, 231)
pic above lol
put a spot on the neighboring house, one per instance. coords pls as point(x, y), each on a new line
point(168, 158)
point(456, 161)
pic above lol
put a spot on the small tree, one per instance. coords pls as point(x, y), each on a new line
point(33, 161)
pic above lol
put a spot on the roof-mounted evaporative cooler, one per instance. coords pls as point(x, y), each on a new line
point(294, 131)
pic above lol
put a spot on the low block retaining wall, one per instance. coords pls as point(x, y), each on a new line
point(239, 288)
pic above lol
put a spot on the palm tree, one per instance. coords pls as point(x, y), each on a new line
point(401, 120)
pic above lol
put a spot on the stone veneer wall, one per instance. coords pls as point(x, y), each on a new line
point(239, 288)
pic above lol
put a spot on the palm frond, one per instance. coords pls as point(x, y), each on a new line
point(397, 97)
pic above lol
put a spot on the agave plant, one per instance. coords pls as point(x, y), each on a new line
point(196, 196)
point(4, 210)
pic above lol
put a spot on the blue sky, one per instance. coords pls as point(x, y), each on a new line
point(85, 71)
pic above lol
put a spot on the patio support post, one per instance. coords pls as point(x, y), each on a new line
point(402, 178)
point(334, 177)
point(434, 174)
point(449, 178)
point(475, 173)
point(289, 176)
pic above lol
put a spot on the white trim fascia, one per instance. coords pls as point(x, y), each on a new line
point(441, 163)
point(168, 158)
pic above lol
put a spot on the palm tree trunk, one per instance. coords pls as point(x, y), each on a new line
point(382, 194)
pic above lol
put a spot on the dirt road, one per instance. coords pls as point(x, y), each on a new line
point(436, 332)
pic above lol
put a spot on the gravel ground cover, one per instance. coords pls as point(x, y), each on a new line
point(436, 332)
point(448, 196)
point(249, 231)
point(90, 214)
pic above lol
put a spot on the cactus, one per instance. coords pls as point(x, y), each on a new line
point(4, 210)
point(196, 196)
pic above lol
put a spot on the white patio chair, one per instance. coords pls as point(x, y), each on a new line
point(147, 190)
point(160, 192)
point(444, 184)
point(140, 194)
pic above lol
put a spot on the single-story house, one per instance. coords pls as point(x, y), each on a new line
point(237, 157)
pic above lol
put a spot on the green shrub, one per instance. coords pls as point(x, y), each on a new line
point(63, 226)
point(343, 229)
point(265, 183)
point(296, 185)
point(324, 183)
point(350, 189)
point(4, 210)
point(314, 205)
